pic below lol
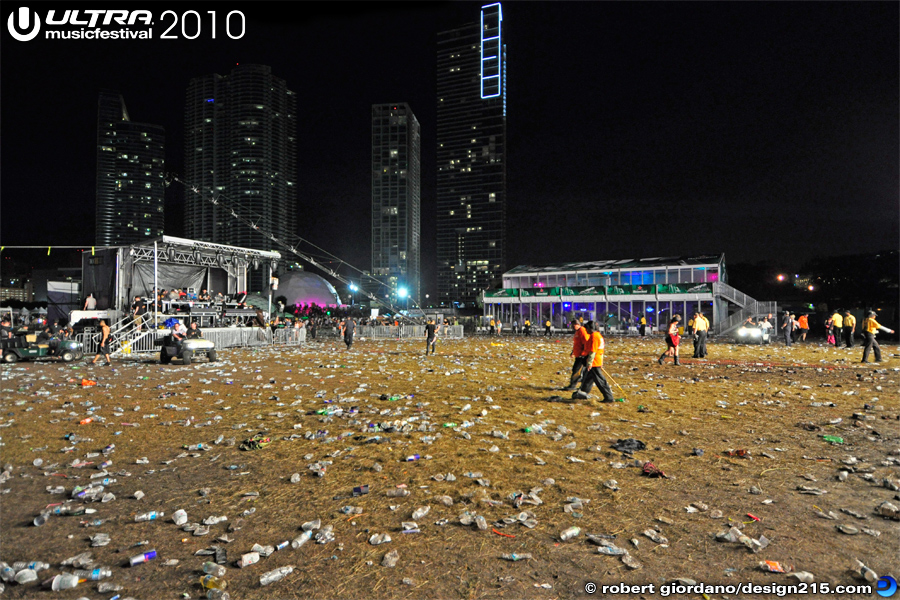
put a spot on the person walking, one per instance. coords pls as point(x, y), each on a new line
point(689, 328)
point(579, 340)
point(701, 331)
point(431, 331)
point(802, 327)
point(90, 303)
point(499, 327)
point(547, 326)
point(593, 351)
point(527, 328)
point(837, 322)
point(515, 327)
point(870, 327)
point(849, 328)
point(348, 328)
point(643, 326)
point(672, 340)
point(103, 349)
point(787, 327)
point(493, 326)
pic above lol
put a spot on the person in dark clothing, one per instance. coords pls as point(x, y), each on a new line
point(580, 338)
point(6, 331)
point(431, 330)
point(194, 332)
point(849, 328)
point(348, 327)
point(787, 327)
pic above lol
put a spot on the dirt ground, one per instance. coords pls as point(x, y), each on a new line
point(464, 412)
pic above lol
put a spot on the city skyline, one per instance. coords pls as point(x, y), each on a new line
point(756, 130)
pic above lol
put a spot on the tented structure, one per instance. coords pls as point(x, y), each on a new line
point(303, 287)
point(116, 275)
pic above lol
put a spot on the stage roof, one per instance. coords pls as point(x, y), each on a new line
point(611, 265)
point(200, 245)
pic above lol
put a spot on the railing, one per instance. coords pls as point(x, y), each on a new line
point(407, 331)
point(230, 337)
point(730, 293)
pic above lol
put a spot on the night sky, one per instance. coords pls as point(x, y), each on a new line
point(761, 130)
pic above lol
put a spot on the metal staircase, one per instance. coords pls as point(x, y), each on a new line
point(749, 307)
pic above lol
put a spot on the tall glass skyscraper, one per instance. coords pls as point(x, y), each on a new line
point(241, 143)
point(471, 157)
point(396, 198)
point(130, 175)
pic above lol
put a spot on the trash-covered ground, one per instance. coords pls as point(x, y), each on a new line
point(451, 476)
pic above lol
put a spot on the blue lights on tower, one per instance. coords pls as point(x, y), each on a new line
point(492, 67)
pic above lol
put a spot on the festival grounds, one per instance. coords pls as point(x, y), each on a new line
point(740, 438)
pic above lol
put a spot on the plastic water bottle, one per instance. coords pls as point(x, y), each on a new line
point(214, 569)
point(302, 539)
point(569, 533)
point(34, 565)
point(212, 582)
point(276, 575)
point(218, 595)
point(148, 516)
point(95, 574)
point(7, 573)
point(142, 558)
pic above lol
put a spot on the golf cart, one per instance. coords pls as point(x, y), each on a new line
point(186, 350)
point(753, 334)
point(25, 347)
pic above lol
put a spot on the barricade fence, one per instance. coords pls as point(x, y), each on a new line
point(231, 337)
point(407, 331)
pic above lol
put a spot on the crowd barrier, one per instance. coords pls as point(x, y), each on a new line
point(222, 337)
point(407, 331)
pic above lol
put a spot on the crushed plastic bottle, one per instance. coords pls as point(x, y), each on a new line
point(275, 575)
point(211, 582)
point(304, 537)
point(390, 559)
point(34, 566)
point(570, 533)
point(514, 557)
point(214, 569)
point(148, 516)
point(420, 513)
point(95, 574)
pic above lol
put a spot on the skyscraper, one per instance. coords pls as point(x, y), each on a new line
point(471, 157)
point(241, 144)
point(396, 198)
point(130, 175)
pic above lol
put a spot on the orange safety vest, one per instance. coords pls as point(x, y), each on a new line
point(597, 345)
point(579, 340)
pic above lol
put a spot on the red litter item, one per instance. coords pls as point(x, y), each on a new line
point(85, 421)
point(754, 517)
point(87, 382)
point(773, 566)
point(651, 470)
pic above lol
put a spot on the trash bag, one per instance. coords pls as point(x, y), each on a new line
point(629, 445)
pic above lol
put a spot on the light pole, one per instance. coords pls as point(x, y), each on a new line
point(353, 288)
point(404, 294)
